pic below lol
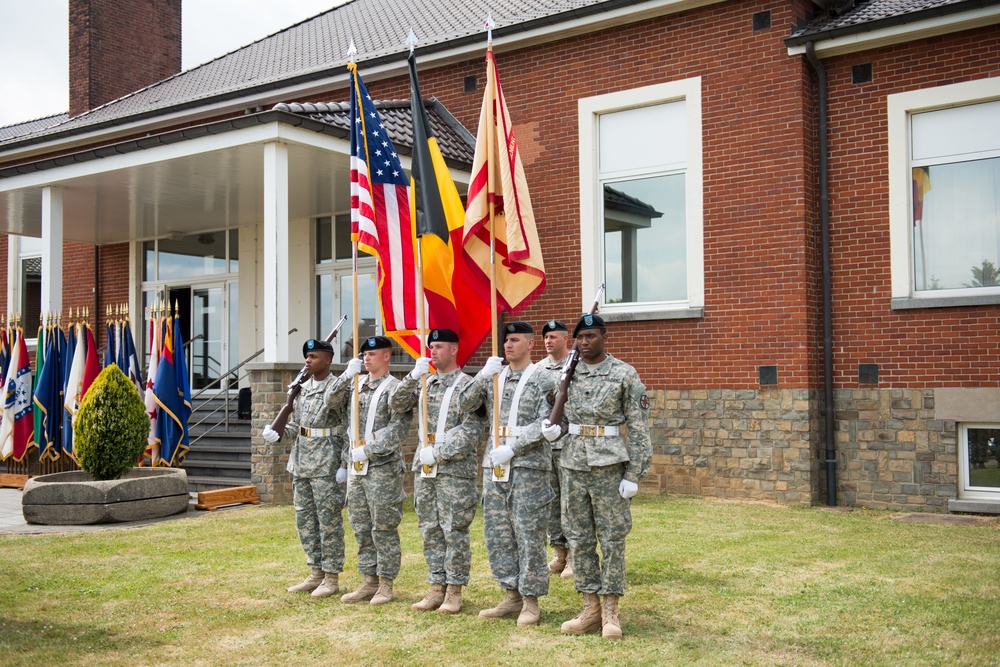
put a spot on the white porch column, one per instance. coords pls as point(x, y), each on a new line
point(52, 249)
point(275, 242)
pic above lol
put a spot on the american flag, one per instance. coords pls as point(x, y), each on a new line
point(380, 210)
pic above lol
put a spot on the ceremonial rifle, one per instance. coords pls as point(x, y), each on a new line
point(556, 416)
point(295, 387)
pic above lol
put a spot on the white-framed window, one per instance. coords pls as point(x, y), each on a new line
point(24, 288)
point(944, 195)
point(979, 461)
point(641, 227)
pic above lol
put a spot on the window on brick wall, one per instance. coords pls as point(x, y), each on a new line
point(641, 199)
point(979, 461)
point(945, 195)
point(29, 284)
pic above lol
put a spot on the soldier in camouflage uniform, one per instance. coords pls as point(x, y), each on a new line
point(601, 472)
point(317, 476)
point(515, 512)
point(555, 335)
point(375, 499)
point(444, 486)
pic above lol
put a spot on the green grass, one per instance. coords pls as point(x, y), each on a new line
point(710, 583)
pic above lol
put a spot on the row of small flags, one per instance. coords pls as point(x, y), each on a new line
point(41, 413)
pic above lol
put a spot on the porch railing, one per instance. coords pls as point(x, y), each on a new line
point(235, 380)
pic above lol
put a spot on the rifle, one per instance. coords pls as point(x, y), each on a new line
point(556, 415)
point(296, 387)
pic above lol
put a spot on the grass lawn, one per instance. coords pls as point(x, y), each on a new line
point(710, 583)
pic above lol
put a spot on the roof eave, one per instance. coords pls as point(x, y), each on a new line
point(898, 29)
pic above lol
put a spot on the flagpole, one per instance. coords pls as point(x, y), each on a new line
point(497, 470)
point(355, 399)
point(411, 41)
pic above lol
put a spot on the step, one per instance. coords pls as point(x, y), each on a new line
point(202, 452)
point(198, 483)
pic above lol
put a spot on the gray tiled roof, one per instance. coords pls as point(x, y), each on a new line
point(878, 13)
point(456, 143)
point(29, 126)
point(317, 48)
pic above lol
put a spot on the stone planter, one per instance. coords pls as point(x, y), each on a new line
point(75, 498)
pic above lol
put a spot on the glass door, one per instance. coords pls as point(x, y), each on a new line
point(208, 346)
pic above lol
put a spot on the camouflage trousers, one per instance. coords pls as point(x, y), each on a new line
point(445, 507)
point(319, 504)
point(555, 531)
point(375, 508)
point(515, 514)
point(593, 510)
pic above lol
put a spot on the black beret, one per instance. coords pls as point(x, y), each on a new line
point(441, 336)
point(316, 345)
point(554, 325)
point(518, 328)
point(590, 322)
point(375, 343)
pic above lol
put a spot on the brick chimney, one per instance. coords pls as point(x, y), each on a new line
point(119, 46)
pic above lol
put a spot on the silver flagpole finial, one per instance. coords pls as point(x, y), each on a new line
point(411, 40)
point(490, 24)
point(352, 53)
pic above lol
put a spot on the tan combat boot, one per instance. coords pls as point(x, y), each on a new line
point(384, 592)
point(510, 605)
point(558, 562)
point(452, 600)
point(612, 626)
point(431, 601)
point(589, 619)
point(529, 611)
point(310, 583)
point(365, 591)
point(330, 586)
point(567, 572)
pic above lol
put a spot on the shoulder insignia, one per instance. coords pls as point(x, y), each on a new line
point(644, 402)
point(551, 397)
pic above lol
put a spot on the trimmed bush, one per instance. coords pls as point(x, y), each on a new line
point(111, 427)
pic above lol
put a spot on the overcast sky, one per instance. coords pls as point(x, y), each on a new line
point(34, 60)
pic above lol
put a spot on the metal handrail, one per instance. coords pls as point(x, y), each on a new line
point(228, 400)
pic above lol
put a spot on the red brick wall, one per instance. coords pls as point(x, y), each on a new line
point(933, 347)
point(759, 227)
point(112, 287)
point(120, 46)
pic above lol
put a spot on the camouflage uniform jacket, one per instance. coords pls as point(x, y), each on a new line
point(456, 456)
point(390, 427)
point(609, 393)
point(531, 450)
point(315, 457)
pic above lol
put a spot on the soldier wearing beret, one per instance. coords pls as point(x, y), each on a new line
point(516, 510)
point(601, 472)
point(555, 335)
point(375, 473)
point(444, 487)
point(318, 474)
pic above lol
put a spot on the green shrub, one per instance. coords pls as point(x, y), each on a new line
point(111, 426)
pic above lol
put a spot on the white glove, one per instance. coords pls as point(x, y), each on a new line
point(492, 367)
point(627, 489)
point(341, 475)
point(551, 431)
point(427, 456)
point(269, 434)
point(501, 455)
point(354, 367)
point(358, 454)
point(421, 366)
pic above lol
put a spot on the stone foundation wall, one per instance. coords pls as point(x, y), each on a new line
point(893, 450)
point(736, 443)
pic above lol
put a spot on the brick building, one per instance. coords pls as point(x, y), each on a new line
point(808, 287)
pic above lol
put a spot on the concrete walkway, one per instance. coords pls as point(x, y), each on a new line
point(12, 520)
